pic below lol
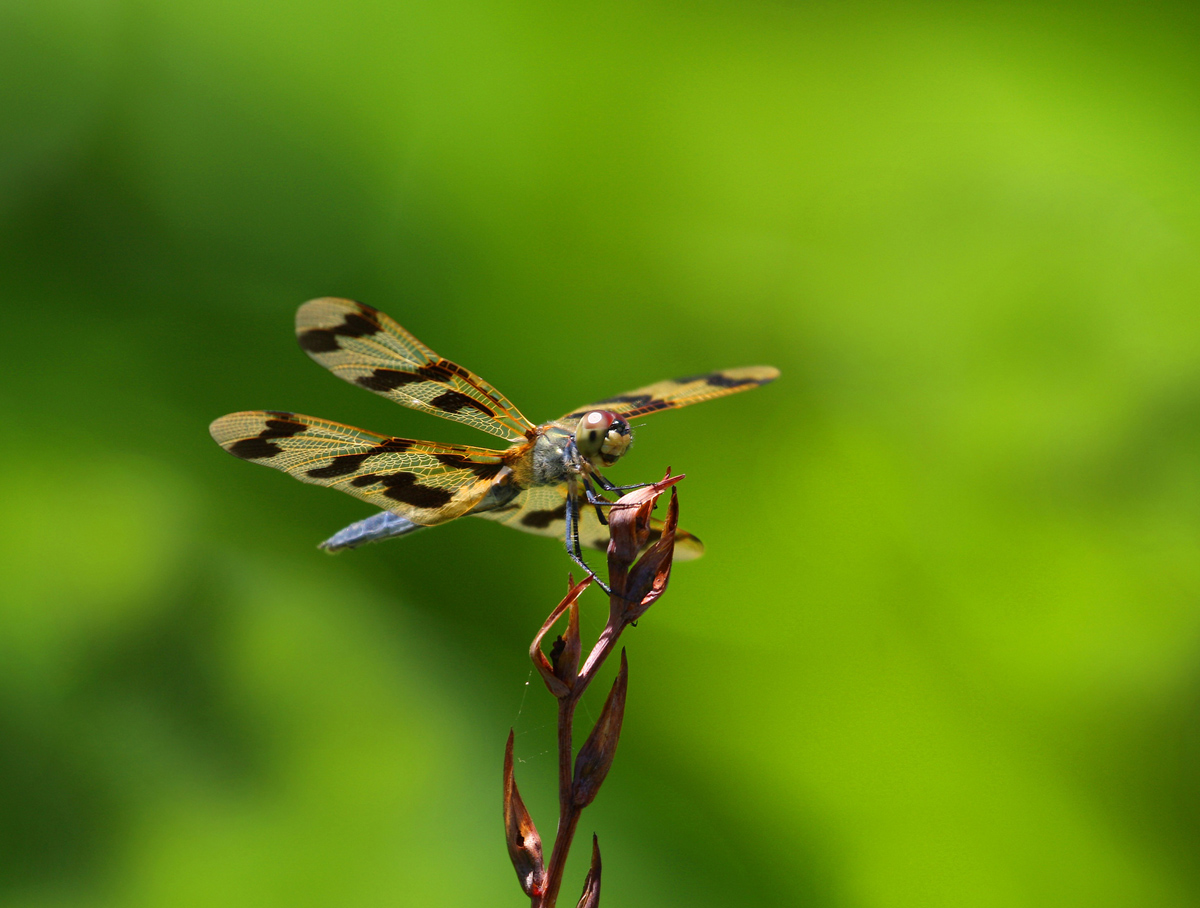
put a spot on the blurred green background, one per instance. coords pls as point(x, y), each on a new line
point(944, 648)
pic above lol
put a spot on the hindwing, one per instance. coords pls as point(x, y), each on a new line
point(542, 510)
point(426, 482)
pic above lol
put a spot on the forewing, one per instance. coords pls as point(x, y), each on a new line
point(425, 482)
point(678, 392)
point(542, 510)
point(368, 348)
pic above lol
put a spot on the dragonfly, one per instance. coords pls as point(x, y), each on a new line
point(548, 481)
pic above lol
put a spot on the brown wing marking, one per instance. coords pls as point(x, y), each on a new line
point(542, 510)
point(426, 482)
point(368, 348)
point(678, 392)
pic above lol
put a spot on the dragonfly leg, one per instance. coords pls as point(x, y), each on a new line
point(596, 501)
point(572, 533)
point(609, 487)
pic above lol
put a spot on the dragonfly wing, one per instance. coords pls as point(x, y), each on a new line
point(424, 482)
point(677, 392)
point(542, 510)
point(368, 348)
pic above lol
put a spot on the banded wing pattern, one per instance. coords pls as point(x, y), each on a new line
point(678, 392)
point(425, 482)
point(542, 510)
point(417, 483)
point(368, 348)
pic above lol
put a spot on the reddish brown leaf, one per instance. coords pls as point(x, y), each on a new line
point(567, 648)
point(591, 885)
point(595, 757)
point(629, 530)
point(629, 521)
point(648, 578)
point(557, 685)
point(524, 843)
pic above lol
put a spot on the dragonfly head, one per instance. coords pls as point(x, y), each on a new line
point(602, 437)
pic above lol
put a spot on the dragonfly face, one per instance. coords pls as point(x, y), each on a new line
point(537, 484)
point(602, 437)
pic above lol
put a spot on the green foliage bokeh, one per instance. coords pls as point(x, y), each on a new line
point(944, 648)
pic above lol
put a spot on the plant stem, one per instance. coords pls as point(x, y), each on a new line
point(568, 814)
point(566, 720)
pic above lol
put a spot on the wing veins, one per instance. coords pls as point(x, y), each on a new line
point(339, 334)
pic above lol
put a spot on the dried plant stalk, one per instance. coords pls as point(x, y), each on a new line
point(636, 583)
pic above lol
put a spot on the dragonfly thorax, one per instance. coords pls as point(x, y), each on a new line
point(554, 458)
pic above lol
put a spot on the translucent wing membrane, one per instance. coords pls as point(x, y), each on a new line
point(369, 349)
point(424, 482)
point(542, 510)
point(419, 483)
point(678, 392)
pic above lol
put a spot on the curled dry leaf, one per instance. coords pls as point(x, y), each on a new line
point(648, 578)
point(629, 520)
point(567, 648)
point(596, 756)
point(558, 685)
point(524, 843)
point(630, 529)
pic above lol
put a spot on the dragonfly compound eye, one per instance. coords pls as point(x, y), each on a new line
point(602, 436)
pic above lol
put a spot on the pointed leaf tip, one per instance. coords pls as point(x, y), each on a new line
point(591, 885)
